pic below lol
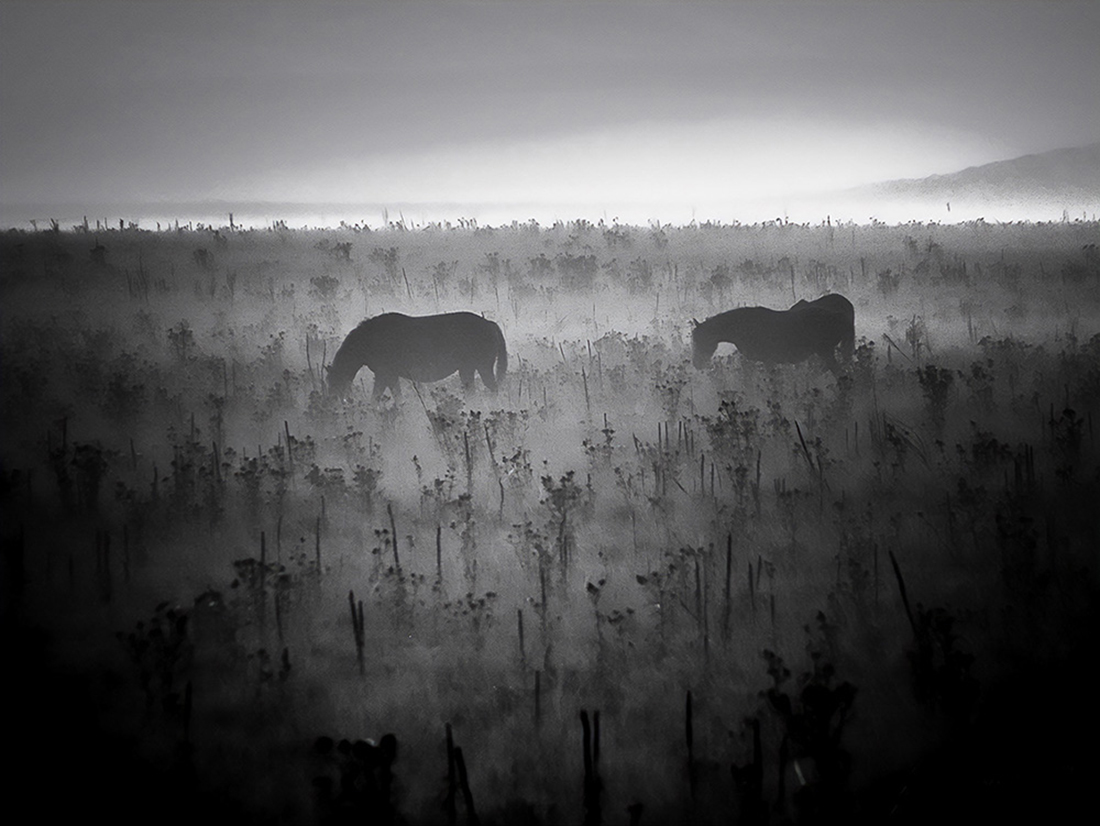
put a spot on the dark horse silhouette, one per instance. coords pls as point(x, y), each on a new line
point(424, 348)
point(781, 336)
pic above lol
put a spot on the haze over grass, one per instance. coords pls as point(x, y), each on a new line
point(1045, 187)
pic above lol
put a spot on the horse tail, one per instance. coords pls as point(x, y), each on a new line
point(502, 352)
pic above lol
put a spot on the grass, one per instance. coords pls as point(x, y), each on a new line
point(210, 567)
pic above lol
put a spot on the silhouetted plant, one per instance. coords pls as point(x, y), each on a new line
point(935, 383)
point(324, 287)
point(940, 671)
point(363, 790)
point(562, 498)
point(161, 650)
point(182, 340)
point(1066, 433)
point(90, 464)
point(387, 259)
point(813, 719)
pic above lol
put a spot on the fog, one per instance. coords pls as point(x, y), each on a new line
point(653, 527)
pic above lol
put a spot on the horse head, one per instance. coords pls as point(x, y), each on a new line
point(702, 346)
point(336, 383)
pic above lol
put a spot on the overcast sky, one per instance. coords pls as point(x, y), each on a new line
point(526, 101)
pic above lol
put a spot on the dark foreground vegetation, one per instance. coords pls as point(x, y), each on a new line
point(619, 590)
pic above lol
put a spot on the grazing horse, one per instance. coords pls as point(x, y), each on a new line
point(424, 348)
point(781, 336)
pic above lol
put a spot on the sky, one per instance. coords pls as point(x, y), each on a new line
point(605, 104)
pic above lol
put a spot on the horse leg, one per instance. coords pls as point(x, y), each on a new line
point(486, 371)
point(381, 382)
point(467, 376)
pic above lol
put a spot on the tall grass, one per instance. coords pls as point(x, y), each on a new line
point(237, 565)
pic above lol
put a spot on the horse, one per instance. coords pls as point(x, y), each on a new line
point(781, 336)
point(420, 348)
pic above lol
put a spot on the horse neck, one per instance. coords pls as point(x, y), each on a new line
point(726, 327)
point(348, 359)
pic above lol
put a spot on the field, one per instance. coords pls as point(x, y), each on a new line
point(620, 589)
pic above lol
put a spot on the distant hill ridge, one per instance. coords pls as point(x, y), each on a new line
point(1065, 173)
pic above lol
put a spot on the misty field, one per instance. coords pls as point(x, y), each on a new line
point(618, 590)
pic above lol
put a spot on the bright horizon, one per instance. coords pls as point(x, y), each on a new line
point(609, 108)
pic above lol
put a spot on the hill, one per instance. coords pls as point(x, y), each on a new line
point(1060, 180)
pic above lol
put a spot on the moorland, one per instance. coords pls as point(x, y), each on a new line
point(619, 588)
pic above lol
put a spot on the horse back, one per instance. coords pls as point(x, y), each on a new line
point(428, 348)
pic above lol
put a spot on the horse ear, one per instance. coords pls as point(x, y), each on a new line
point(328, 367)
